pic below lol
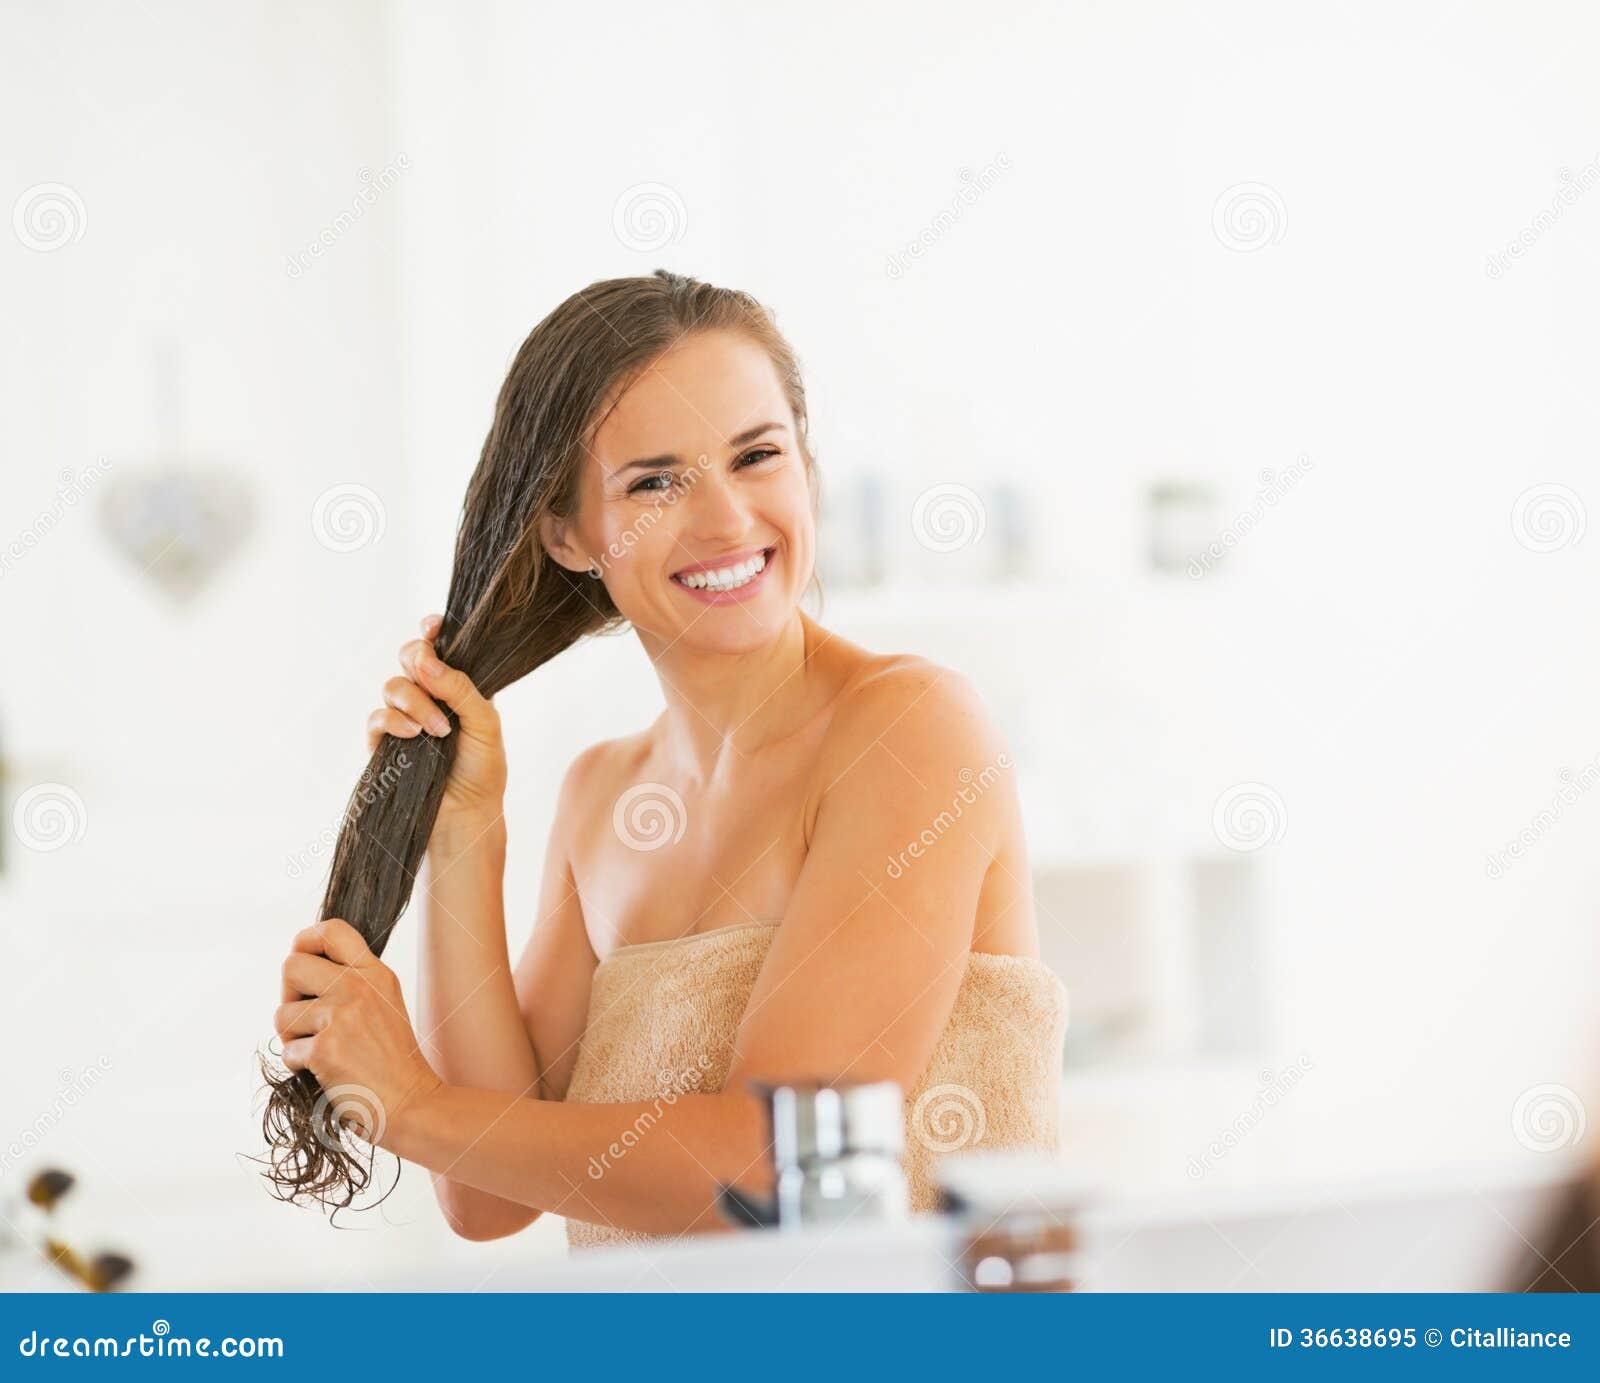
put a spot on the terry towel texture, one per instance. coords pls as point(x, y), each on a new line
point(663, 1015)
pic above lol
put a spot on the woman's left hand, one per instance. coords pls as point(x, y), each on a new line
point(343, 1016)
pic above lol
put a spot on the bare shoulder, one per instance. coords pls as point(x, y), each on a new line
point(596, 775)
point(904, 698)
point(905, 725)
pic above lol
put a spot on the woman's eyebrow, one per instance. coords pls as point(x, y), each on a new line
point(658, 462)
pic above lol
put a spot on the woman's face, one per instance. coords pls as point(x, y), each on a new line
point(695, 501)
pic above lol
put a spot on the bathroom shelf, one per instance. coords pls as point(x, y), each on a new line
point(1161, 955)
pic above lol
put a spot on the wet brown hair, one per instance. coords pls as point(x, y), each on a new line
point(511, 608)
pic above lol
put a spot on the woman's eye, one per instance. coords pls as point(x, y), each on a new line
point(662, 481)
point(646, 487)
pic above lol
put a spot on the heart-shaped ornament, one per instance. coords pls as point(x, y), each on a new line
point(177, 523)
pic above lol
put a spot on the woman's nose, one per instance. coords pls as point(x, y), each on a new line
point(717, 509)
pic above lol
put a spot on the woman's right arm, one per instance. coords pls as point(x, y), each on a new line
point(477, 1023)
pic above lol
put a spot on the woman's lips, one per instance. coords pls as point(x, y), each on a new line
point(707, 595)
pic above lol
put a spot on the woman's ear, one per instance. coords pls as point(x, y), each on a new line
point(555, 534)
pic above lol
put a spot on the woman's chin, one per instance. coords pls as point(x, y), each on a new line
point(737, 628)
point(741, 635)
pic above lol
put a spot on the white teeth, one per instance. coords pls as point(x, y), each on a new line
point(726, 578)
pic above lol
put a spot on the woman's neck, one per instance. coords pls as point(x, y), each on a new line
point(728, 705)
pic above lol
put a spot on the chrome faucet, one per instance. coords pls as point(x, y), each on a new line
point(836, 1156)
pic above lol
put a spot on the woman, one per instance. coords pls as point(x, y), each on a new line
point(811, 864)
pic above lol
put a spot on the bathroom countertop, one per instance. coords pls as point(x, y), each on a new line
point(1456, 1232)
point(911, 1256)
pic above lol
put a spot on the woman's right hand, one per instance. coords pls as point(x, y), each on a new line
point(476, 787)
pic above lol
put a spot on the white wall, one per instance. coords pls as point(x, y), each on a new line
point(1381, 650)
point(208, 744)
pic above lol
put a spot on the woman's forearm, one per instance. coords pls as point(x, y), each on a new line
point(652, 1167)
point(468, 1022)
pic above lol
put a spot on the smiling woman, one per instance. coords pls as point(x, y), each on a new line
point(649, 464)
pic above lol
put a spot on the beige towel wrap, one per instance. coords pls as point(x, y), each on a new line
point(663, 1015)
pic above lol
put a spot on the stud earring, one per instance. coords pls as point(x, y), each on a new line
point(594, 570)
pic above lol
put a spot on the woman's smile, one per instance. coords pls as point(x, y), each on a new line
point(737, 577)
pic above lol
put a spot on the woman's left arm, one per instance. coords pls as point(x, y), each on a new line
point(858, 984)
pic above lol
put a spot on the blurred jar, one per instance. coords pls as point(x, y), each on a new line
point(1015, 1217)
point(1183, 517)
